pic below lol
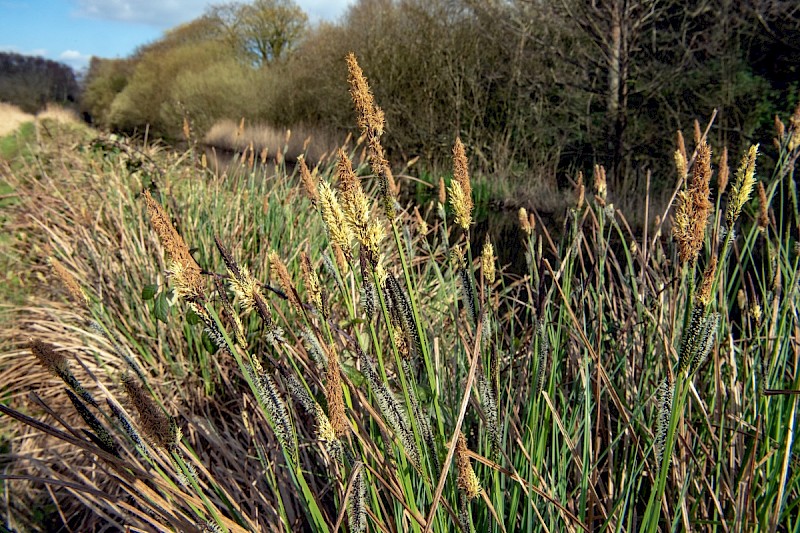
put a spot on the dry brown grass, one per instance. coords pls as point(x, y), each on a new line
point(11, 117)
point(58, 113)
point(315, 145)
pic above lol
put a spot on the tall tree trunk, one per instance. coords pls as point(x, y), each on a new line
point(617, 93)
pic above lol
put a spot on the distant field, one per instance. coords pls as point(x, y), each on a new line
point(11, 117)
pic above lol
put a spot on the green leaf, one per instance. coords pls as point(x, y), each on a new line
point(149, 292)
point(353, 374)
point(161, 307)
point(192, 318)
point(208, 344)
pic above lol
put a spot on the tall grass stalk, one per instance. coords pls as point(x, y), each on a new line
point(302, 351)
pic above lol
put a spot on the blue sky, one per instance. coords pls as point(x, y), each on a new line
point(71, 31)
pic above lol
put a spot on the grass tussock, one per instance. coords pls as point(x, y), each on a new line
point(11, 117)
point(280, 350)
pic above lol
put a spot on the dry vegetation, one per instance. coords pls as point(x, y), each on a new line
point(274, 143)
point(11, 117)
point(263, 350)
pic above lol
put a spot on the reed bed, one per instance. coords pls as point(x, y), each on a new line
point(284, 351)
point(274, 143)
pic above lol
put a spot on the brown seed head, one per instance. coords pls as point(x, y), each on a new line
point(53, 361)
point(794, 129)
point(681, 146)
point(600, 184)
point(704, 291)
point(698, 134)
point(311, 281)
point(187, 279)
point(284, 279)
point(187, 131)
point(371, 121)
point(442, 191)
point(680, 165)
point(368, 117)
point(460, 187)
point(524, 221)
point(780, 128)
point(333, 394)
point(341, 259)
point(763, 204)
point(724, 172)
point(694, 208)
point(309, 184)
point(421, 224)
point(461, 169)
point(156, 424)
point(69, 281)
point(467, 480)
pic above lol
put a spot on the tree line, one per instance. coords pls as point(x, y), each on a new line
point(30, 82)
point(535, 89)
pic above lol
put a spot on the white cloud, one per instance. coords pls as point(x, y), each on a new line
point(17, 50)
point(159, 13)
point(74, 59)
point(70, 55)
point(168, 13)
point(324, 9)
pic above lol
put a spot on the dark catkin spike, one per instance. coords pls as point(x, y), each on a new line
point(129, 429)
point(299, 392)
point(227, 258)
point(423, 422)
point(762, 372)
point(357, 502)
point(705, 342)
point(325, 431)
point(689, 345)
point(486, 327)
point(210, 327)
point(663, 414)
point(468, 292)
point(390, 408)
point(118, 349)
point(227, 306)
point(270, 397)
point(100, 435)
point(464, 515)
point(330, 269)
point(543, 357)
point(55, 362)
point(392, 305)
point(405, 313)
point(489, 404)
point(314, 348)
point(210, 527)
point(187, 473)
point(368, 296)
point(494, 377)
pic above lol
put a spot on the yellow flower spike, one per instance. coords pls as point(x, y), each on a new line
point(743, 187)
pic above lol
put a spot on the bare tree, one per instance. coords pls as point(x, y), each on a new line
point(264, 31)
